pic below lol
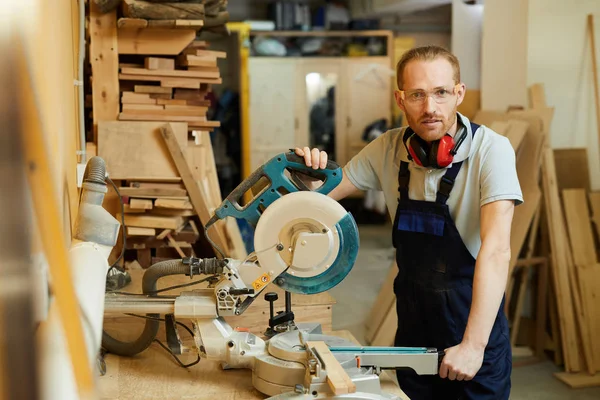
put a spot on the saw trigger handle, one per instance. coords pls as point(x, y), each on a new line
point(276, 184)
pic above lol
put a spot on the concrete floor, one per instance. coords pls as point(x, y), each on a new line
point(357, 293)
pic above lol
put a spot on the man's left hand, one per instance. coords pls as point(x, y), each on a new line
point(461, 362)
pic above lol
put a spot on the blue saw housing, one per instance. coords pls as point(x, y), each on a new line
point(279, 185)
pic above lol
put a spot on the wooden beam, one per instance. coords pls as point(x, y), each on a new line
point(104, 60)
point(197, 197)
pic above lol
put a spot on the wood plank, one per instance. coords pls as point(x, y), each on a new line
point(158, 41)
point(190, 60)
point(187, 83)
point(134, 231)
point(127, 208)
point(141, 108)
point(159, 63)
point(382, 305)
point(132, 23)
point(387, 331)
point(202, 125)
point(136, 151)
point(198, 198)
point(578, 381)
point(152, 10)
point(516, 133)
point(171, 101)
point(595, 206)
point(589, 285)
point(577, 216)
point(157, 185)
point(152, 89)
point(173, 204)
point(185, 107)
point(151, 221)
point(166, 118)
point(170, 73)
point(572, 170)
point(104, 61)
point(560, 265)
point(140, 204)
point(337, 378)
point(537, 96)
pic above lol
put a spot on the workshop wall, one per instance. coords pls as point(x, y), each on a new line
point(560, 57)
point(466, 41)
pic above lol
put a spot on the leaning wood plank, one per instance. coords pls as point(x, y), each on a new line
point(516, 133)
point(577, 216)
point(175, 245)
point(140, 204)
point(338, 380)
point(136, 151)
point(151, 10)
point(595, 204)
point(572, 169)
point(152, 221)
point(579, 380)
point(382, 304)
point(560, 265)
point(589, 284)
point(387, 331)
point(163, 234)
point(537, 96)
point(134, 231)
point(197, 198)
point(154, 41)
point(171, 73)
point(104, 61)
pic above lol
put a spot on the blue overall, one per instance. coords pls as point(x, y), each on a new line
point(434, 288)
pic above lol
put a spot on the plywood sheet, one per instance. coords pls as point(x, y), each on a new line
point(136, 150)
point(572, 170)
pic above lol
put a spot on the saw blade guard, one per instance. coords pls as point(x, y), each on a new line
point(309, 236)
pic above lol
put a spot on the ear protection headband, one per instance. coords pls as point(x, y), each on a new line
point(438, 154)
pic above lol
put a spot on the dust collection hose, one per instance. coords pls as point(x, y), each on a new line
point(151, 276)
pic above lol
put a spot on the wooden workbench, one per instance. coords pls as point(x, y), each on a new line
point(153, 374)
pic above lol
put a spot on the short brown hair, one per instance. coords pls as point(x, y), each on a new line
point(426, 53)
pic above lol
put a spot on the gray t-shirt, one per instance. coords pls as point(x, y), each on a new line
point(488, 174)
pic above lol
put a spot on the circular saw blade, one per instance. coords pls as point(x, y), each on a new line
point(310, 236)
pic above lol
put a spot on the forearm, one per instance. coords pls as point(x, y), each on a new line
point(489, 284)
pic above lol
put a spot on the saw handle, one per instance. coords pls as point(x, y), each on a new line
point(278, 185)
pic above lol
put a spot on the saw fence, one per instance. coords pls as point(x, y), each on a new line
point(149, 96)
point(553, 288)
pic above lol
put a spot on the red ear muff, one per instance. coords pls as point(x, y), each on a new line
point(441, 152)
point(417, 150)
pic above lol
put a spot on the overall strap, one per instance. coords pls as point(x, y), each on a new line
point(403, 180)
point(447, 181)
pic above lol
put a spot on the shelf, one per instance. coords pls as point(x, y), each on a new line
point(369, 33)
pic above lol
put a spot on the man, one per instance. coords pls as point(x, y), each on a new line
point(450, 187)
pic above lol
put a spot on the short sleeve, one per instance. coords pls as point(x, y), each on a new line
point(361, 170)
point(498, 179)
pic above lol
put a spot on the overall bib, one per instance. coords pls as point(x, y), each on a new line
point(434, 288)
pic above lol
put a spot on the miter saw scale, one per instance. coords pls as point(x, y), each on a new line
point(305, 243)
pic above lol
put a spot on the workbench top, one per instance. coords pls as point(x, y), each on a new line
point(154, 374)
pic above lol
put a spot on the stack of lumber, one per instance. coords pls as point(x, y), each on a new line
point(171, 88)
point(166, 180)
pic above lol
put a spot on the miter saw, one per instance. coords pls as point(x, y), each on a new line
point(305, 242)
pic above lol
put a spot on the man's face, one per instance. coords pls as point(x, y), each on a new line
point(430, 98)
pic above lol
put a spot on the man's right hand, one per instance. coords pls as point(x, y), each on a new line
point(312, 158)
